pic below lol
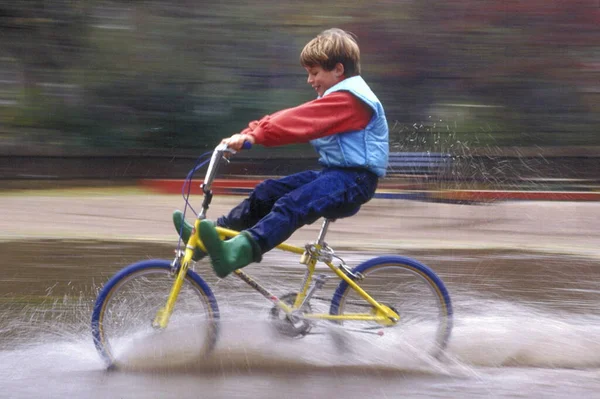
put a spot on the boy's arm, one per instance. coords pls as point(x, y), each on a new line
point(335, 113)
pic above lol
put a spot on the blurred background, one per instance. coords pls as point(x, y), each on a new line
point(508, 89)
point(482, 96)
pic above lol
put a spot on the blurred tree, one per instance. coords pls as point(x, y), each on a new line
point(46, 37)
point(173, 74)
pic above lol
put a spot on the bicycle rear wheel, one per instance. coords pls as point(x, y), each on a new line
point(127, 305)
point(410, 288)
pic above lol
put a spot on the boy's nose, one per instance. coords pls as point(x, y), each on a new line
point(309, 79)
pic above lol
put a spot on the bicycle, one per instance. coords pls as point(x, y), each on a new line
point(145, 298)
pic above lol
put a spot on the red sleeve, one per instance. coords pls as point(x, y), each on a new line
point(334, 113)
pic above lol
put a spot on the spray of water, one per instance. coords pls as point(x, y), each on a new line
point(505, 334)
point(468, 162)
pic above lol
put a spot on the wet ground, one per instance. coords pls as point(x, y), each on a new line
point(524, 279)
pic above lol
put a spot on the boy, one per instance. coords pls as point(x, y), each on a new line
point(346, 124)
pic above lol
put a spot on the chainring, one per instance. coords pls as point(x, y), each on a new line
point(284, 324)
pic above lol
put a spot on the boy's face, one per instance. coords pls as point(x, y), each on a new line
point(321, 80)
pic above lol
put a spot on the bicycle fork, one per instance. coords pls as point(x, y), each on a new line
point(164, 314)
point(180, 268)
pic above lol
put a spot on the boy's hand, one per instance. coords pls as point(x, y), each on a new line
point(236, 141)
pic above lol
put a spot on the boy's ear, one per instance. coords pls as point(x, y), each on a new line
point(339, 70)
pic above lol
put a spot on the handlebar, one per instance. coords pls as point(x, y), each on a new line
point(218, 154)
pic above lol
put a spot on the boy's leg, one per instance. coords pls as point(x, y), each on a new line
point(333, 189)
point(252, 209)
point(261, 200)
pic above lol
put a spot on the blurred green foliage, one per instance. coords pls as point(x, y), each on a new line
point(174, 74)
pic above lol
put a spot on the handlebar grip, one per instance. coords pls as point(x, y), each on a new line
point(247, 145)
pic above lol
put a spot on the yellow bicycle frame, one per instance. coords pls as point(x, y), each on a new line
point(380, 313)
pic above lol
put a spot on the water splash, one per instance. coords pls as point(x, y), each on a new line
point(474, 160)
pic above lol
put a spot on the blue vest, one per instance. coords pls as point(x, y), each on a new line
point(367, 148)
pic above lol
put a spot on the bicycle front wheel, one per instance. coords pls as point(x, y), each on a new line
point(413, 291)
point(127, 305)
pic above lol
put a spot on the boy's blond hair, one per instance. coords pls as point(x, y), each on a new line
point(330, 47)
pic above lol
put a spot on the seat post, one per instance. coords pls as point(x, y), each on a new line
point(323, 232)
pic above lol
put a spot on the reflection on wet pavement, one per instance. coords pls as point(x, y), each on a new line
point(523, 321)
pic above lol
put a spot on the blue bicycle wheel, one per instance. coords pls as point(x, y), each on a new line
point(413, 290)
point(127, 305)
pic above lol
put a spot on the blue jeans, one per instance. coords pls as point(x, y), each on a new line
point(277, 208)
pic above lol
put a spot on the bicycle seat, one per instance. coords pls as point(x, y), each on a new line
point(342, 212)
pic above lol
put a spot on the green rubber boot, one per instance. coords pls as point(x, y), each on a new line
point(230, 255)
point(186, 232)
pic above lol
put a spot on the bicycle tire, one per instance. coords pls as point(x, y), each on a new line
point(127, 304)
point(404, 291)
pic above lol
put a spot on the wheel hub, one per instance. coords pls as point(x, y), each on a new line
point(389, 317)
